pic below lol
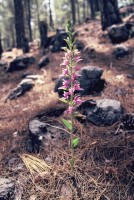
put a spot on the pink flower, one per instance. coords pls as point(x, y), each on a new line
point(66, 95)
point(77, 68)
point(77, 59)
point(71, 91)
point(77, 87)
point(68, 54)
point(65, 84)
point(77, 100)
point(70, 110)
point(73, 77)
point(65, 62)
point(76, 52)
point(65, 71)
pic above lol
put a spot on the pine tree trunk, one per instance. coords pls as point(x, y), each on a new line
point(43, 33)
point(19, 23)
point(78, 11)
point(97, 5)
point(109, 13)
point(29, 19)
point(50, 16)
point(92, 8)
point(84, 9)
point(1, 49)
point(73, 11)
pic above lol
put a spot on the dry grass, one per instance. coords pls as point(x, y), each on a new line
point(104, 159)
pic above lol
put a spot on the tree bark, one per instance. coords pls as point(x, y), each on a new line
point(29, 19)
point(109, 13)
point(78, 11)
point(92, 8)
point(84, 9)
point(43, 33)
point(97, 5)
point(73, 11)
point(19, 23)
point(50, 16)
point(1, 49)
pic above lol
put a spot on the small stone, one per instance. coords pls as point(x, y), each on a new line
point(7, 188)
point(23, 87)
point(43, 61)
point(119, 33)
point(120, 51)
point(20, 63)
point(104, 112)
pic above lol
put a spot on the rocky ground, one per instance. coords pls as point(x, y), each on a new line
point(31, 124)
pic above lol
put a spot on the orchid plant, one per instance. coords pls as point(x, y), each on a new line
point(70, 70)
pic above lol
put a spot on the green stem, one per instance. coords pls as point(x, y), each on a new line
point(71, 104)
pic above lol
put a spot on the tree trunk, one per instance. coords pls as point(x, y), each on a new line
point(38, 15)
point(92, 8)
point(43, 33)
point(73, 11)
point(19, 23)
point(29, 19)
point(109, 13)
point(78, 11)
point(50, 16)
point(1, 49)
point(97, 5)
point(84, 9)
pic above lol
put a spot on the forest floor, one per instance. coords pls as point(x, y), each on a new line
point(104, 163)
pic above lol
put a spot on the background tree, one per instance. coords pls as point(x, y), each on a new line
point(92, 8)
point(73, 11)
point(50, 15)
point(27, 18)
point(1, 49)
point(19, 23)
point(109, 13)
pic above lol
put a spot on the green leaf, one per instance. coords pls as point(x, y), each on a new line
point(67, 123)
point(75, 142)
point(63, 100)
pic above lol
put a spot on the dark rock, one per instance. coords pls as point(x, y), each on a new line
point(130, 76)
point(60, 30)
point(41, 133)
point(26, 46)
point(91, 72)
point(128, 121)
point(90, 81)
point(58, 84)
point(37, 130)
point(37, 127)
point(7, 188)
point(51, 112)
point(23, 87)
point(58, 41)
point(3, 63)
point(87, 19)
point(20, 63)
point(102, 112)
point(119, 33)
point(43, 61)
point(121, 51)
point(80, 46)
point(130, 23)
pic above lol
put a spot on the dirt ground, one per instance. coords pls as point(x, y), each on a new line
point(104, 158)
